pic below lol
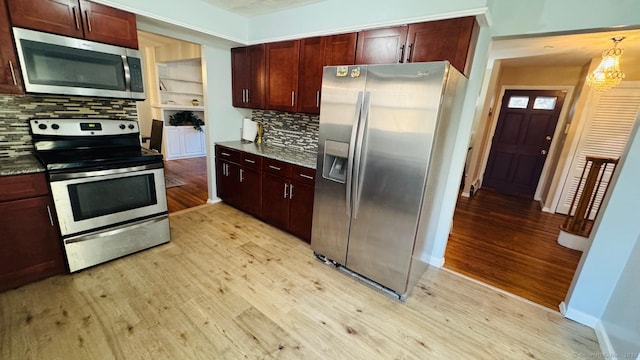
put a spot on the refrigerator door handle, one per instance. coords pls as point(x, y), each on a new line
point(358, 156)
point(352, 144)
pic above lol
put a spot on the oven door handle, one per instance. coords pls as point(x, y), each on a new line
point(86, 174)
point(115, 230)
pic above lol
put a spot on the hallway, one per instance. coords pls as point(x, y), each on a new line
point(508, 242)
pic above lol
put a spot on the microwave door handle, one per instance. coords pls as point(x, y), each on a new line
point(357, 188)
point(352, 144)
point(127, 72)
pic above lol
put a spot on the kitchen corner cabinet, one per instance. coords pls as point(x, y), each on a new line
point(31, 246)
point(282, 75)
point(315, 53)
point(248, 76)
point(76, 18)
point(450, 39)
point(184, 142)
point(10, 80)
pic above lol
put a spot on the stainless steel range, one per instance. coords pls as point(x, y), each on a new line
point(108, 192)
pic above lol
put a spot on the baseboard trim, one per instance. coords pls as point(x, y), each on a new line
point(606, 348)
point(213, 201)
point(436, 261)
point(579, 316)
point(465, 194)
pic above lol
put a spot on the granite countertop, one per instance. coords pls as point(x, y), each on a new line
point(22, 164)
point(293, 156)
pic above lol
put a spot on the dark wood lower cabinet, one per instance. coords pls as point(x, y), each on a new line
point(301, 210)
point(279, 193)
point(30, 245)
point(275, 200)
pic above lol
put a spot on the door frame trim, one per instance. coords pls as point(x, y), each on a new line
point(558, 136)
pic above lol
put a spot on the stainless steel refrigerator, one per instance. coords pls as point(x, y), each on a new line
point(381, 126)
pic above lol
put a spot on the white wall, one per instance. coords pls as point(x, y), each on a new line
point(621, 318)
point(196, 15)
point(336, 16)
point(520, 17)
point(616, 231)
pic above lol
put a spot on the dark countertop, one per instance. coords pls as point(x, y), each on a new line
point(17, 165)
point(293, 156)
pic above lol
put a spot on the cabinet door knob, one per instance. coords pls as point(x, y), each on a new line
point(543, 152)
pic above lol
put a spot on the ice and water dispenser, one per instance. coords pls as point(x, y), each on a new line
point(335, 161)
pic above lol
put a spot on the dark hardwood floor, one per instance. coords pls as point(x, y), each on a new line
point(508, 242)
point(193, 172)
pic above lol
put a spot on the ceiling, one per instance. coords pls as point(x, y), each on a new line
point(564, 50)
point(258, 7)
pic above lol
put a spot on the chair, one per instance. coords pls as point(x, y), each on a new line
point(155, 139)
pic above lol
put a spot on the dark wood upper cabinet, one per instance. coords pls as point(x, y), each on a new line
point(248, 76)
point(76, 18)
point(310, 75)
point(381, 46)
point(109, 25)
point(314, 54)
point(282, 75)
point(340, 49)
point(10, 79)
point(449, 39)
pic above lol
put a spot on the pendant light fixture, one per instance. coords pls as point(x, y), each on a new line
point(608, 73)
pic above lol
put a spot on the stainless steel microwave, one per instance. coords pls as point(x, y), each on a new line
point(54, 64)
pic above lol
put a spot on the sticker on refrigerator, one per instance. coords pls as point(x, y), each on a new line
point(355, 72)
point(342, 71)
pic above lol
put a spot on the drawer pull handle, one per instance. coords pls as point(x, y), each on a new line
point(225, 154)
point(306, 176)
point(275, 167)
point(250, 161)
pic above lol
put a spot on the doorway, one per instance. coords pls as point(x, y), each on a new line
point(526, 124)
point(174, 82)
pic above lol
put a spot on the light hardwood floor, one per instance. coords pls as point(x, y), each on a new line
point(228, 286)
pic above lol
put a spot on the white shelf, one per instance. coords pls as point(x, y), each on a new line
point(182, 80)
point(179, 107)
point(180, 92)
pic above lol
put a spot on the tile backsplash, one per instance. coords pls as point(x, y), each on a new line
point(16, 110)
point(295, 130)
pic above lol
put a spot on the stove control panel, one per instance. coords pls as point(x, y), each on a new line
point(83, 127)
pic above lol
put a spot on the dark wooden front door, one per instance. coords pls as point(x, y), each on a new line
point(521, 141)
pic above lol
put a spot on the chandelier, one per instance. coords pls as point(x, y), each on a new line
point(607, 74)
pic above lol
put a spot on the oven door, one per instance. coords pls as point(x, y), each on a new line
point(94, 200)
